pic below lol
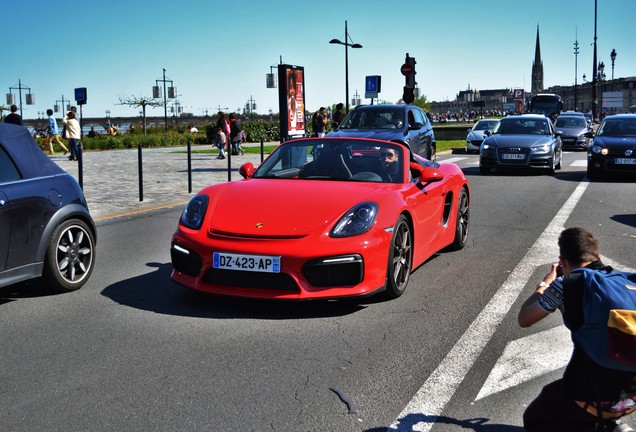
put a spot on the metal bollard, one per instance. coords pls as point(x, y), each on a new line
point(189, 166)
point(141, 173)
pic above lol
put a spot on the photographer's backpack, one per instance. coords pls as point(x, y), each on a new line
point(608, 332)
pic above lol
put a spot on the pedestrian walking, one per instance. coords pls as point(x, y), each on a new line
point(72, 134)
point(236, 135)
point(53, 134)
point(220, 141)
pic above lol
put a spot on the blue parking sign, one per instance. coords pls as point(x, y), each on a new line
point(372, 86)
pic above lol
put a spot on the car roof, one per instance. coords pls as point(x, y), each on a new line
point(384, 106)
point(526, 116)
point(28, 156)
point(620, 116)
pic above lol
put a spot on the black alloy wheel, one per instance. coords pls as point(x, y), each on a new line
point(461, 222)
point(400, 259)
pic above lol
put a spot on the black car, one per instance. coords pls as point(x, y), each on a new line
point(613, 150)
point(46, 230)
point(522, 141)
point(400, 123)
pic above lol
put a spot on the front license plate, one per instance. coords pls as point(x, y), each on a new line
point(625, 161)
point(255, 263)
point(513, 156)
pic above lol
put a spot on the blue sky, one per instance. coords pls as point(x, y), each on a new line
point(218, 53)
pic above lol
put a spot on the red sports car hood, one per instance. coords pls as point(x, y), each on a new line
point(283, 208)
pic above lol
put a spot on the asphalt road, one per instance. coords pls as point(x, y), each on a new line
point(132, 351)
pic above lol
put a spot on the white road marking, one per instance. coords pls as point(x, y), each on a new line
point(454, 159)
point(440, 387)
point(527, 358)
point(579, 163)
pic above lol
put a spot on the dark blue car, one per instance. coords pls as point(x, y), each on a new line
point(399, 123)
point(46, 230)
point(613, 150)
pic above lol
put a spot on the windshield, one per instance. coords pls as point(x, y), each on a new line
point(523, 126)
point(386, 118)
point(571, 122)
point(485, 125)
point(335, 159)
point(618, 127)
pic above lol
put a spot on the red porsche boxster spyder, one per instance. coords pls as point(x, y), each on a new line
point(322, 218)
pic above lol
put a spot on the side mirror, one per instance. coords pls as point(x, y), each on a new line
point(426, 175)
point(247, 169)
point(589, 134)
point(488, 132)
point(558, 133)
point(416, 126)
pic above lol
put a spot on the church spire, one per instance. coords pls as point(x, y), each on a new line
point(537, 68)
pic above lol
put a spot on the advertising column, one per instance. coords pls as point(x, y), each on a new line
point(291, 99)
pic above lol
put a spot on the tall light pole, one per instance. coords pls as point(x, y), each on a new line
point(613, 57)
point(347, 43)
point(576, 63)
point(170, 94)
point(594, 78)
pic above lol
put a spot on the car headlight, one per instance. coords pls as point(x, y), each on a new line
point(194, 212)
point(543, 148)
point(356, 221)
point(485, 146)
point(599, 150)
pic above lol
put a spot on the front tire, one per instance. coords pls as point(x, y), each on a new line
point(70, 256)
point(400, 259)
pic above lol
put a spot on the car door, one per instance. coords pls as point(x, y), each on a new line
point(426, 201)
point(8, 175)
point(5, 228)
point(415, 134)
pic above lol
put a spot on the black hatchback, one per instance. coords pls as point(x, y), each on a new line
point(46, 230)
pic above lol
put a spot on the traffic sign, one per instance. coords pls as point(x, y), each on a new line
point(372, 86)
point(407, 69)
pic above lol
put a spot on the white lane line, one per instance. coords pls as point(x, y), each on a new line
point(440, 387)
point(454, 159)
point(579, 163)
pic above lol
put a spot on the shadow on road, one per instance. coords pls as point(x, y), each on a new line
point(157, 293)
point(477, 424)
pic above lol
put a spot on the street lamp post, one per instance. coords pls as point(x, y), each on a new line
point(64, 107)
point(30, 98)
point(594, 79)
point(347, 43)
point(613, 57)
point(600, 79)
point(170, 94)
point(576, 63)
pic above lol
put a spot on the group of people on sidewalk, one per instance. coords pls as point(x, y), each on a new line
point(71, 131)
point(228, 135)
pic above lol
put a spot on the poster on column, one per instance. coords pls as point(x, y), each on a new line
point(291, 96)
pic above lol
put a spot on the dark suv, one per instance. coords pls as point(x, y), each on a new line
point(45, 228)
point(400, 123)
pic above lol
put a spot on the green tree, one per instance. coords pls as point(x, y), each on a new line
point(423, 103)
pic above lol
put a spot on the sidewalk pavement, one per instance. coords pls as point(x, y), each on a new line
point(111, 178)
